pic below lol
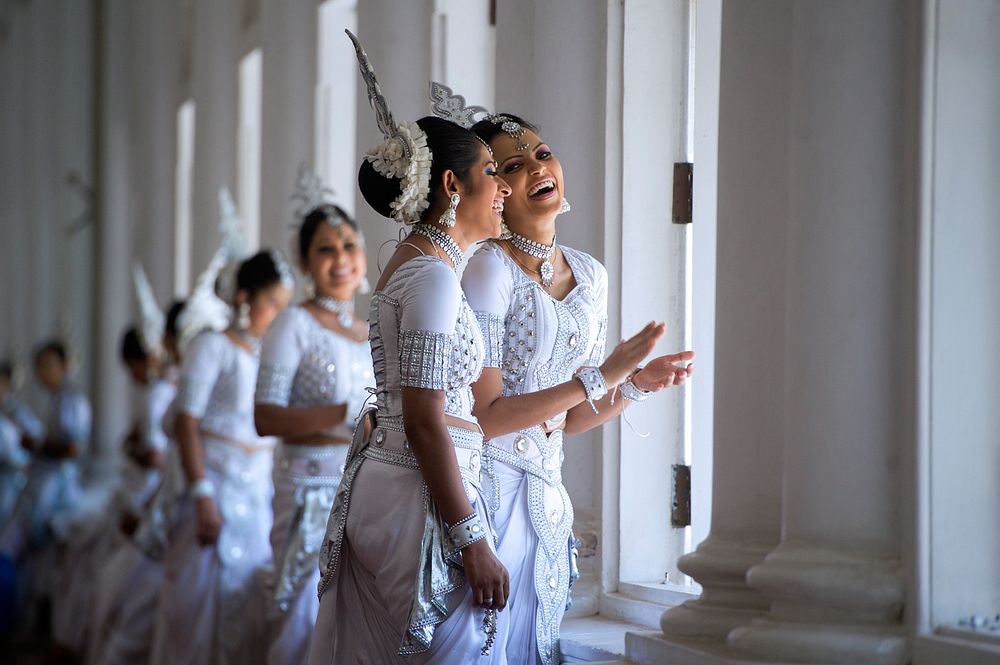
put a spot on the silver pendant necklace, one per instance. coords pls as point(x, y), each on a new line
point(442, 240)
point(344, 309)
point(536, 249)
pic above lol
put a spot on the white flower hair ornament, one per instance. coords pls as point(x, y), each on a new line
point(404, 153)
point(152, 321)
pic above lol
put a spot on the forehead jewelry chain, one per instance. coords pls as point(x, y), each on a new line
point(536, 249)
point(442, 240)
point(344, 309)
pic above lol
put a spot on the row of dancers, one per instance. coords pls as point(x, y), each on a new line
point(342, 490)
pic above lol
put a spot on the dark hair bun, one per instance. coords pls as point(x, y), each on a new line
point(379, 191)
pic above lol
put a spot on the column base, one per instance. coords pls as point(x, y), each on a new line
point(828, 606)
point(720, 566)
point(811, 643)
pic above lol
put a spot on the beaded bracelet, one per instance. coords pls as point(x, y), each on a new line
point(593, 383)
point(466, 531)
point(201, 488)
point(634, 393)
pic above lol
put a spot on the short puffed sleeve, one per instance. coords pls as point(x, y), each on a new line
point(279, 357)
point(600, 274)
point(202, 365)
point(429, 302)
point(489, 288)
point(74, 417)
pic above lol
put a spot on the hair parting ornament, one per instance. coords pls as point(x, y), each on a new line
point(446, 104)
point(403, 154)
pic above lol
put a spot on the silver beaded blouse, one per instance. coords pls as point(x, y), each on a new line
point(536, 340)
point(424, 335)
point(217, 387)
point(304, 364)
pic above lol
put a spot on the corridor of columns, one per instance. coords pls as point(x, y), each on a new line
point(837, 275)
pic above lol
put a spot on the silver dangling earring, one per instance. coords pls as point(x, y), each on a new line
point(243, 316)
point(365, 286)
point(308, 287)
point(504, 231)
point(566, 207)
point(448, 219)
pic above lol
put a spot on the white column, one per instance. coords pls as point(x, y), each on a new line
point(155, 76)
point(288, 31)
point(215, 65)
point(114, 178)
point(750, 329)
point(835, 581)
point(396, 36)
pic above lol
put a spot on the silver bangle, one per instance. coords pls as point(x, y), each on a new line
point(593, 383)
point(466, 531)
point(634, 393)
point(201, 488)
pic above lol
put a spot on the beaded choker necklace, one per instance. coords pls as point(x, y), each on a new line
point(536, 249)
point(249, 340)
point(344, 309)
point(442, 240)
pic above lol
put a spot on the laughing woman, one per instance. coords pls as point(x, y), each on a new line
point(408, 569)
point(543, 312)
point(220, 539)
point(315, 367)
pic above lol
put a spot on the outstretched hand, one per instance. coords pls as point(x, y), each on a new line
point(672, 369)
point(629, 352)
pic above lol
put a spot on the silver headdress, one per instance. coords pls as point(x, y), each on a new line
point(152, 321)
point(204, 308)
point(310, 193)
point(282, 268)
point(404, 153)
point(446, 104)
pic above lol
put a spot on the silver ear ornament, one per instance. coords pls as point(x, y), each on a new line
point(151, 316)
point(403, 154)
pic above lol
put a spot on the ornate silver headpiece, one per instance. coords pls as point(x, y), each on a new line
point(404, 153)
point(152, 321)
point(208, 305)
point(310, 193)
point(446, 104)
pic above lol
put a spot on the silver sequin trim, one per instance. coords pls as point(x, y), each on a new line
point(424, 359)
point(491, 326)
point(274, 385)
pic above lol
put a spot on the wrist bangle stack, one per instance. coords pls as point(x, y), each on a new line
point(466, 531)
point(593, 383)
point(201, 488)
point(634, 393)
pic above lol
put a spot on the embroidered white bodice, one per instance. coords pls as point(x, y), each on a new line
point(304, 364)
point(424, 335)
point(217, 387)
point(536, 340)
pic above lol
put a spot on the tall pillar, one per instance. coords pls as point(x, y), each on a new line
point(215, 75)
point(114, 179)
point(750, 329)
point(834, 582)
point(155, 76)
point(288, 31)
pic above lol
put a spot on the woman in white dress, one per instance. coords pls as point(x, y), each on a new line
point(220, 540)
point(543, 312)
point(315, 366)
point(123, 607)
point(409, 574)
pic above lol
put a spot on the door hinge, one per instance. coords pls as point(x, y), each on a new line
point(683, 192)
point(680, 509)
